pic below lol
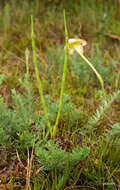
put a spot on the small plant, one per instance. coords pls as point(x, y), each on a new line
point(60, 157)
point(19, 119)
point(53, 129)
point(50, 156)
point(71, 45)
point(99, 113)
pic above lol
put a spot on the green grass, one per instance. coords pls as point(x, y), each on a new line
point(85, 153)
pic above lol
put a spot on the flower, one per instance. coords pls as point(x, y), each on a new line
point(76, 44)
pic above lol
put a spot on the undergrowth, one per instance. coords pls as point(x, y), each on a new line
point(86, 145)
point(24, 127)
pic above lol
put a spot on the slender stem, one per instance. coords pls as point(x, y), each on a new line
point(93, 68)
point(63, 79)
point(37, 75)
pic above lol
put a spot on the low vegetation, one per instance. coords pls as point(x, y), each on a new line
point(59, 113)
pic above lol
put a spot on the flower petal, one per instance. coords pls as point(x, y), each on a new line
point(72, 42)
point(76, 44)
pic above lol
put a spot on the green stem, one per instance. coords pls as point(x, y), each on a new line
point(93, 68)
point(37, 75)
point(63, 79)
